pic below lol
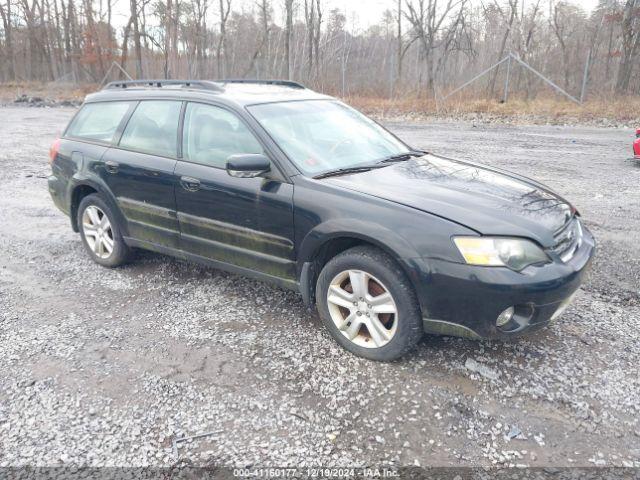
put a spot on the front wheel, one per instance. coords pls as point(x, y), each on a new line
point(368, 304)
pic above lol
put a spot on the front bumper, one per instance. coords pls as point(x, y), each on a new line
point(465, 300)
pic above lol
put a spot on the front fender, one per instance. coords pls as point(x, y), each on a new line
point(385, 239)
point(370, 232)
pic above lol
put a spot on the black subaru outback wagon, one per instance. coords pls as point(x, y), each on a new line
point(272, 180)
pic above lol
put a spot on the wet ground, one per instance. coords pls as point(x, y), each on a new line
point(109, 367)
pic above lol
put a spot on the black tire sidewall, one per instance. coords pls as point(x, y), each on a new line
point(409, 330)
point(120, 252)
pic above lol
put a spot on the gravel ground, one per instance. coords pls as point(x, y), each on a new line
point(110, 367)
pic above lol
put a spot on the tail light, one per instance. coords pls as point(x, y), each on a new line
point(53, 150)
point(638, 132)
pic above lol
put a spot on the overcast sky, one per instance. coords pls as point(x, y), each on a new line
point(367, 12)
point(370, 12)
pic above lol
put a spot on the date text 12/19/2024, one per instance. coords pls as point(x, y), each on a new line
point(317, 472)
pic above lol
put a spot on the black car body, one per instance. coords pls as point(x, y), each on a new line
point(285, 225)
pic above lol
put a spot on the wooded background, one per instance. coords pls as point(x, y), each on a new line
point(417, 46)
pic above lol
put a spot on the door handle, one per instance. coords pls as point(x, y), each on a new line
point(111, 166)
point(190, 184)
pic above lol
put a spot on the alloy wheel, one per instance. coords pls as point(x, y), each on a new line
point(98, 231)
point(362, 308)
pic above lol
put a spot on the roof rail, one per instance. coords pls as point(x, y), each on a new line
point(283, 83)
point(202, 84)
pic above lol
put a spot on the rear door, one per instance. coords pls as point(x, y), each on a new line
point(244, 222)
point(140, 173)
point(92, 131)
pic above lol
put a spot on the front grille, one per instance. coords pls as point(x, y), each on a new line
point(567, 240)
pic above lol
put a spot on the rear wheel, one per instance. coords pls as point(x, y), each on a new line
point(368, 304)
point(100, 232)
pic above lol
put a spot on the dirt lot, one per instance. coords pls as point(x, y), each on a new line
point(108, 367)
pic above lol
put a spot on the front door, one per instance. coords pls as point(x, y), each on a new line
point(139, 171)
point(242, 222)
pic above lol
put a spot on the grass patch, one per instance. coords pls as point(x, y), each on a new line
point(554, 110)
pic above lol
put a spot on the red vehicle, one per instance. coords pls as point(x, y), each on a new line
point(636, 145)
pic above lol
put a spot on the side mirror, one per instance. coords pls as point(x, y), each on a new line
point(248, 165)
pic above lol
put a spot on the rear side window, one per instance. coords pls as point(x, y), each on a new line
point(153, 128)
point(98, 121)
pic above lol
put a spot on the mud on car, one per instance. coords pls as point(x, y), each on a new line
point(275, 181)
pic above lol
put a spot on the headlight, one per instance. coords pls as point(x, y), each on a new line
point(515, 253)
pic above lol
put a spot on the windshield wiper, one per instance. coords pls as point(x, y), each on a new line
point(365, 168)
point(344, 171)
point(403, 156)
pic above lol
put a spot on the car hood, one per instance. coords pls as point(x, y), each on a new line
point(487, 200)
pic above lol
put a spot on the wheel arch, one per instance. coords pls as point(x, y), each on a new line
point(81, 188)
point(318, 248)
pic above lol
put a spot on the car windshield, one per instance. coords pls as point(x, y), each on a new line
point(324, 135)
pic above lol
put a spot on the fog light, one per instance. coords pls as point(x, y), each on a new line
point(505, 317)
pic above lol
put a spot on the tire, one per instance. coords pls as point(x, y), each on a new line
point(377, 274)
point(104, 236)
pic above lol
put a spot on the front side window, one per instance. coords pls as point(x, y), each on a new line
point(153, 128)
point(98, 121)
point(212, 134)
point(323, 135)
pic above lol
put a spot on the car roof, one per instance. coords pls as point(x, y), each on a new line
point(238, 93)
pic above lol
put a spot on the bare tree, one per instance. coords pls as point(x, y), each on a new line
point(513, 12)
point(310, 21)
point(317, 33)
point(630, 44)
point(136, 38)
point(168, 32)
point(431, 42)
point(427, 19)
point(400, 49)
point(125, 46)
point(225, 9)
point(313, 23)
point(200, 12)
point(8, 40)
point(563, 29)
point(288, 6)
point(93, 42)
point(263, 16)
